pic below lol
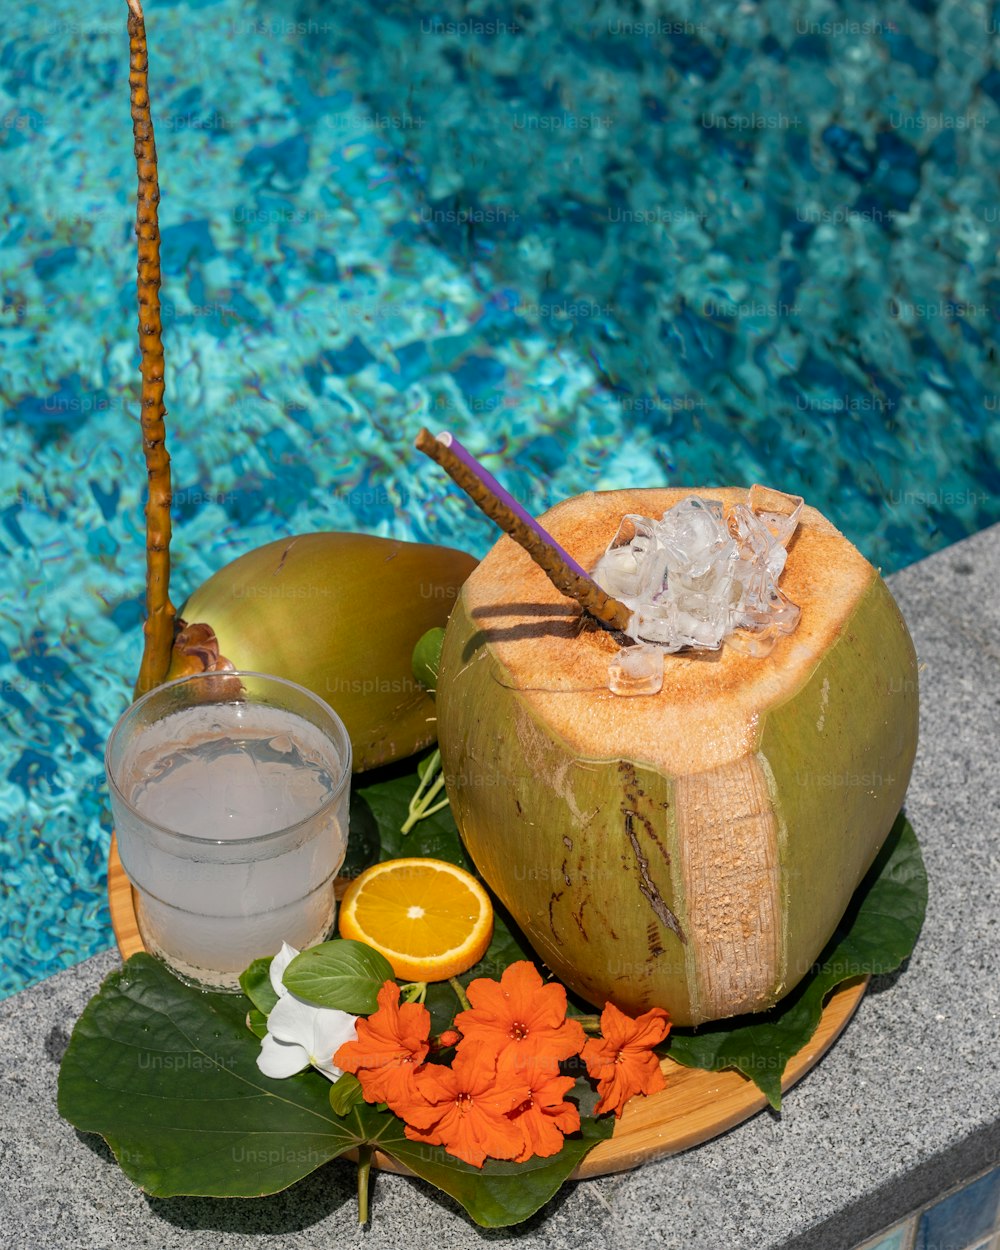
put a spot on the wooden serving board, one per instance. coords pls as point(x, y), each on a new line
point(695, 1106)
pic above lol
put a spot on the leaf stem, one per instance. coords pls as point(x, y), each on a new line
point(364, 1176)
point(437, 806)
point(430, 786)
point(456, 985)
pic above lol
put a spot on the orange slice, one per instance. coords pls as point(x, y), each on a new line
point(430, 919)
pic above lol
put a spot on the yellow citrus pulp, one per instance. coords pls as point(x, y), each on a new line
point(430, 919)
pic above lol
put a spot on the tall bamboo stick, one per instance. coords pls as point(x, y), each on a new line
point(158, 630)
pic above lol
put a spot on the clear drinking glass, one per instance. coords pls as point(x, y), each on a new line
point(230, 796)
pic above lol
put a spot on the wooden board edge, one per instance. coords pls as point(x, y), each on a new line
point(121, 901)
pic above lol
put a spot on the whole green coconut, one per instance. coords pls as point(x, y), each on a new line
point(340, 614)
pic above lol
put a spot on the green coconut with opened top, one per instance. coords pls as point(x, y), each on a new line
point(693, 849)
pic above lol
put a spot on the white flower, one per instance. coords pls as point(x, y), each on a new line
point(277, 969)
point(299, 1034)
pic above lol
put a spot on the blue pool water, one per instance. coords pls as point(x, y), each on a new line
point(697, 244)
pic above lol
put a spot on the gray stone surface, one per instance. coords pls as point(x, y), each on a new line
point(906, 1103)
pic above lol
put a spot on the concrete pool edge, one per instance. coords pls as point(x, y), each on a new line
point(901, 1109)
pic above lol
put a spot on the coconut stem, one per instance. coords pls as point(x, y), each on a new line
point(586, 592)
point(158, 630)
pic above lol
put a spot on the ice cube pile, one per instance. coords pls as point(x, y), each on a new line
point(696, 578)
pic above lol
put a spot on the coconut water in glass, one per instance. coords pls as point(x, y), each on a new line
point(230, 796)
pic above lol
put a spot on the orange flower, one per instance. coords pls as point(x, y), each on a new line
point(520, 1010)
point(464, 1108)
point(622, 1061)
point(544, 1116)
point(391, 1043)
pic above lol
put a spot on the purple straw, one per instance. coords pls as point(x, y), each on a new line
point(487, 478)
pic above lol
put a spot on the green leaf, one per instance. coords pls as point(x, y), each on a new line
point(500, 1194)
point(256, 984)
point(584, 1092)
point(878, 932)
point(362, 839)
point(495, 1195)
point(435, 837)
point(168, 1075)
point(426, 663)
point(257, 1023)
point(343, 974)
point(346, 1093)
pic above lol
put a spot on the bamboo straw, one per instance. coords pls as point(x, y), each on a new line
point(543, 549)
point(158, 630)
